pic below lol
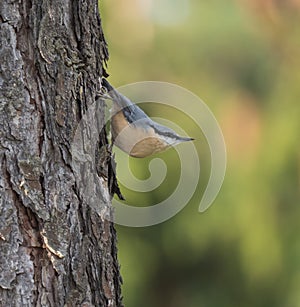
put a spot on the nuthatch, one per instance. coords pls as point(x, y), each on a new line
point(133, 131)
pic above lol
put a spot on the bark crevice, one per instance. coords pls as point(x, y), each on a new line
point(55, 249)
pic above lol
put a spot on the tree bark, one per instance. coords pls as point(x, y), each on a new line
point(55, 249)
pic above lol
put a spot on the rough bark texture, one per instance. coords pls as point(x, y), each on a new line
point(55, 250)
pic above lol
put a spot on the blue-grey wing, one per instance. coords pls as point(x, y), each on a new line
point(133, 113)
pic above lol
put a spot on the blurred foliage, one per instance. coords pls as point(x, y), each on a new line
point(243, 59)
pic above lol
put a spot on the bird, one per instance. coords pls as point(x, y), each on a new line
point(133, 131)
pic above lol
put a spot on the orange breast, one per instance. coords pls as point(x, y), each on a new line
point(134, 140)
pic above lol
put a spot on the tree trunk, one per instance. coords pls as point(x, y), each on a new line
point(55, 249)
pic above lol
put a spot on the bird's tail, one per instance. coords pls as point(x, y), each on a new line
point(116, 96)
point(107, 85)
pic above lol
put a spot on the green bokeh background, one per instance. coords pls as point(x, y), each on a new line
point(243, 59)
